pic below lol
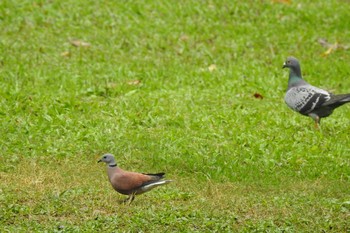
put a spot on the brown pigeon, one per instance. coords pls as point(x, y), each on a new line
point(131, 183)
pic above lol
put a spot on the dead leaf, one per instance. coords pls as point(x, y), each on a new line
point(134, 82)
point(80, 43)
point(65, 54)
point(330, 50)
point(258, 96)
point(111, 85)
point(330, 47)
point(212, 67)
point(324, 42)
point(98, 212)
point(282, 1)
point(184, 37)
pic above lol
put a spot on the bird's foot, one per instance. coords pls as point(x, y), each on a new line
point(128, 200)
point(317, 126)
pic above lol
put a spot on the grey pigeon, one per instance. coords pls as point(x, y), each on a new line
point(131, 183)
point(307, 99)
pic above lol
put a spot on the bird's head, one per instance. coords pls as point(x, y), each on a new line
point(291, 63)
point(108, 159)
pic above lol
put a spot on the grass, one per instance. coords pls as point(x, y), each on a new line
point(168, 86)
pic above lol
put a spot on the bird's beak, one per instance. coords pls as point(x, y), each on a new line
point(99, 160)
point(284, 65)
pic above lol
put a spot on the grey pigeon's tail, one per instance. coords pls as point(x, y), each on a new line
point(346, 98)
point(338, 100)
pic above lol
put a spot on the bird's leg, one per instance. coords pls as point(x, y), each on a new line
point(316, 119)
point(316, 125)
point(132, 197)
point(317, 122)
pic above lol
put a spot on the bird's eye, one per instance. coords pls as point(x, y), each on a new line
point(104, 157)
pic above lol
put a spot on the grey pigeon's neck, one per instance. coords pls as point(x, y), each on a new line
point(295, 78)
point(112, 165)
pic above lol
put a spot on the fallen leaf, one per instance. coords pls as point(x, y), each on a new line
point(324, 42)
point(331, 47)
point(111, 85)
point(184, 37)
point(258, 96)
point(134, 82)
point(282, 1)
point(330, 50)
point(65, 54)
point(212, 67)
point(80, 43)
point(98, 212)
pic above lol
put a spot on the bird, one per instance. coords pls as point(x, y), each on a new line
point(131, 183)
point(309, 100)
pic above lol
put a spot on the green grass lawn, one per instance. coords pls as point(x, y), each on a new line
point(169, 86)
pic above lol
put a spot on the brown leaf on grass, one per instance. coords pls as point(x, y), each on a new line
point(258, 96)
point(184, 37)
point(330, 47)
point(65, 54)
point(282, 1)
point(212, 67)
point(80, 43)
point(330, 50)
point(98, 212)
point(111, 85)
point(134, 82)
point(324, 42)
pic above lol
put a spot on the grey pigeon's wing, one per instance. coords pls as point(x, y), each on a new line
point(305, 99)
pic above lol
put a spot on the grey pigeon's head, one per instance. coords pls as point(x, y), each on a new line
point(108, 159)
point(291, 63)
point(294, 71)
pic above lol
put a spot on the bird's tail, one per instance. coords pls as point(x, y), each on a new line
point(345, 98)
point(338, 100)
point(152, 185)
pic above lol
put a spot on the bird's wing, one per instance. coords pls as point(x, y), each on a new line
point(305, 99)
point(156, 176)
point(130, 180)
